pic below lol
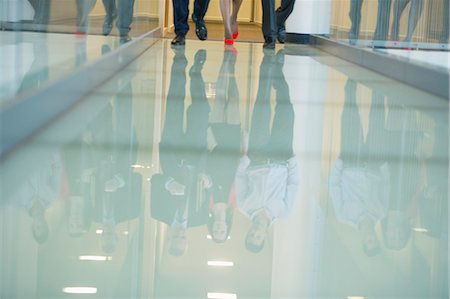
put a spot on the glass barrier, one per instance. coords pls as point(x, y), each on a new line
point(42, 40)
point(107, 17)
point(404, 24)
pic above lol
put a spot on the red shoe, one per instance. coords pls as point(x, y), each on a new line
point(235, 35)
point(229, 42)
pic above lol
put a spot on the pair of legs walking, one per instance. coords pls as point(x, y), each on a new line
point(180, 20)
point(273, 26)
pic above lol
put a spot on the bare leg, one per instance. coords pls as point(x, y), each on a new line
point(234, 14)
point(225, 9)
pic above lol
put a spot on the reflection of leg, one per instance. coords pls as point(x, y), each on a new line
point(414, 15)
point(42, 15)
point(399, 7)
point(377, 134)
point(110, 9)
point(352, 138)
point(445, 24)
point(269, 27)
point(84, 8)
point(384, 13)
point(260, 125)
point(280, 146)
point(355, 18)
point(173, 125)
point(125, 19)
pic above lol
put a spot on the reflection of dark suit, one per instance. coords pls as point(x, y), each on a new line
point(415, 12)
point(182, 153)
point(42, 13)
point(382, 29)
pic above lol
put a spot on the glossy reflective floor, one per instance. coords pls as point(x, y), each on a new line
point(207, 172)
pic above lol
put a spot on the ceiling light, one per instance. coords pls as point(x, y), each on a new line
point(420, 230)
point(209, 237)
point(99, 231)
point(222, 296)
point(355, 297)
point(220, 264)
point(96, 258)
point(80, 290)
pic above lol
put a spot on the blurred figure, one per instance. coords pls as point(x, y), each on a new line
point(445, 26)
point(42, 14)
point(124, 14)
point(224, 135)
point(267, 176)
point(229, 10)
point(274, 21)
point(180, 194)
point(360, 180)
point(84, 8)
point(406, 181)
point(382, 28)
point(415, 11)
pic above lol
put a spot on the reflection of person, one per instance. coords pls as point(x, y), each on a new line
point(180, 20)
point(180, 194)
point(84, 8)
point(382, 27)
point(40, 191)
point(415, 11)
point(359, 181)
point(42, 14)
point(224, 145)
point(445, 25)
point(267, 177)
point(124, 14)
point(405, 175)
point(273, 21)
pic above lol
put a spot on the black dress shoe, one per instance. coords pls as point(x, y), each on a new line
point(281, 35)
point(200, 28)
point(179, 40)
point(269, 43)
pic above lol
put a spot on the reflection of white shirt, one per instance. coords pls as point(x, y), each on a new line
point(272, 187)
point(357, 192)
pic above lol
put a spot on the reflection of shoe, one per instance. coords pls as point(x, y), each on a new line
point(199, 61)
point(200, 28)
point(106, 49)
point(108, 24)
point(280, 56)
point(281, 35)
point(231, 49)
point(179, 40)
point(269, 43)
point(124, 38)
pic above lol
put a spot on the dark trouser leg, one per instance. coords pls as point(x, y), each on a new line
point(280, 145)
point(352, 139)
point(284, 11)
point(180, 16)
point(384, 13)
point(110, 8)
point(126, 8)
point(269, 27)
point(355, 18)
point(414, 16)
point(260, 125)
point(399, 7)
point(42, 14)
point(200, 8)
point(445, 24)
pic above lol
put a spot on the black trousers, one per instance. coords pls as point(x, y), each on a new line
point(272, 20)
point(181, 13)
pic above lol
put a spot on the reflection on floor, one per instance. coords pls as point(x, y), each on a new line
point(212, 172)
point(31, 59)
